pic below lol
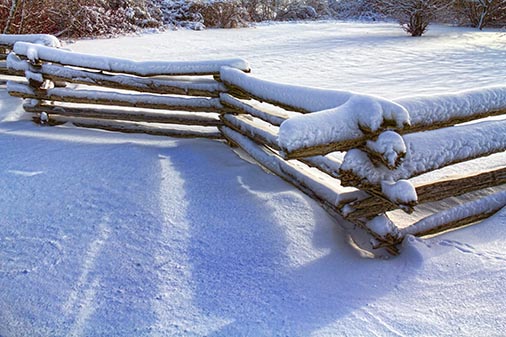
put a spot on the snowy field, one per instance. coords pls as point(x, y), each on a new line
point(105, 234)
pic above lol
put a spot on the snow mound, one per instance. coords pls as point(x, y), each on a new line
point(358, 114)
point(391, 146)
point(400, 192)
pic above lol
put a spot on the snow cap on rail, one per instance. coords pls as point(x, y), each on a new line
point(433, 109)
point(432, 150)
point(118, 65)
point(344, 122)
point(293, 97)
point(40, 39)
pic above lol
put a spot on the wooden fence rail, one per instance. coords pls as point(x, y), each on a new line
point(7, 42)
point(178, 99)
point(373, 175)
point(361, 157)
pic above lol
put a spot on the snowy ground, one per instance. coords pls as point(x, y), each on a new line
point(105, 234)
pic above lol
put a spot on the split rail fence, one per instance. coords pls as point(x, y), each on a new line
point(361, 157)
point(7, 42)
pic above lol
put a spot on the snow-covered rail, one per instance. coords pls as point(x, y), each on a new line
point(7, 42)
point(359, 156)
point(179, 99)
point(374, 156)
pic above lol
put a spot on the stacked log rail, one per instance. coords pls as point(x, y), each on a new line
point(178, 99)
point(352, 174)
point(7, 42)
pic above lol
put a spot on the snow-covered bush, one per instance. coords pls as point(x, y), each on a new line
point(221, 13)
point(77, 18)
point(413, 15)
point(302, 10)
point(259, 10)
point(81, 20)
point(322, 7)
point(282, 10)
point(17, 17)
point(198, 14)
point(367, 10)
point(481, 13)
point(297, 10)
point(179, 14)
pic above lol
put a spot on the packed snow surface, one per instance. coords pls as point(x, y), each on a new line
point(105, 234)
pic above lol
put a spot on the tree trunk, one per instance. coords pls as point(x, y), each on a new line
point(482, 21)
point(22, 20)
point(10, 18)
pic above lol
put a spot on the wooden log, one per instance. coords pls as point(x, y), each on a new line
point(112, 98)
point(128, 127)
point(255, 129)
point(58, 73)
point(240, 93)
point(457, 216)
point(457, 223)
point(385, 201)
point(7, 72)
point(128, 115)
point(3, 66)
point(326, 164)
point(430, 113)
point(451, 187)
point(290, 97)
point(380, 159)
point(389, 150)
point(358, 142)
point(327, 148)
point(347, 144)
point(377, 191)
point(249, 107)
point(4, 70)
point(263, 133)
point(431, 192)
point(324, 186)
point(451, 122)
point(266, 134)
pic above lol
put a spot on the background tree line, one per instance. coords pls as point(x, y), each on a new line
point(85, 18)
